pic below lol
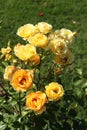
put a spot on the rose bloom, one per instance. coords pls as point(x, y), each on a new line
point(44, 27)
point(63, 59)
point(24, 52)
point(67, 34)
point(22, 80)
point(54, 35)
point(58, 46)
point(54, 91)
point(26, 31)
point(9, 71)
point(39, 40)
point(6, 50)
point(8, 57)
point(36, 101)
point(35, 60)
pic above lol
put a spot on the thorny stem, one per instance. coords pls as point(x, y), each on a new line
point(39, 74)
point(19, 103)
point(38, 81)
point(4, 89)
point(20, 112)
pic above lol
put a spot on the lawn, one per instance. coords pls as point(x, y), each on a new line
point(70, 14)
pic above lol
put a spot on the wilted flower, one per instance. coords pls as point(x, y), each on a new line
point(36, 101)
point(22, 80)
point(40, 14)
point(24, 52)
point(58, 70)
point(63, 59)
point(9, 71)
point(67, 34)
point(54, 91)
point(44, 27)
point(58, 46)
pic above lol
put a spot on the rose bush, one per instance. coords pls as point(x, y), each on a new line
point(33, 69)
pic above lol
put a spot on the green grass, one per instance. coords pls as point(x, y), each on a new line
point(70, 14)
point(59, 13)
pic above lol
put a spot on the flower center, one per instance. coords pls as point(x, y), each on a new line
point(22, 81)
point(55, 91)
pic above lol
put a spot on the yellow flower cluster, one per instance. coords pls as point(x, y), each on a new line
point(41, 35)
point(35, 35)
point(22, 80)
point(60, 42)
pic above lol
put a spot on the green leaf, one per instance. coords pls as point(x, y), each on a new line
point(8, 108)
point(84, 85)
point(4, 63)
point(78, 82)
point(79, 71)
point(1, 117)
point(16, 124)
point(2, 127)
point(1, 69)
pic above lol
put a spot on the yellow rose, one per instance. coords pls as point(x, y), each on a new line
point(44, 27)
point(6, 50)
point(9, 71)
point(54, 91)
point(67, 34)
point(63, 59)
point(24, 52)
point(53, 35)
point(39, 40)
point(36, 101)
point(58, 46)
point(26, 31)
point(8, 57)
point(22, 80)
